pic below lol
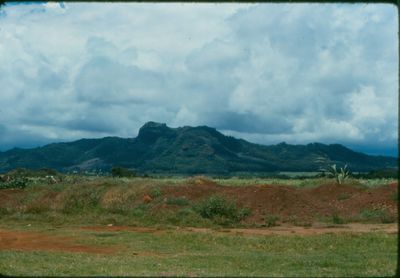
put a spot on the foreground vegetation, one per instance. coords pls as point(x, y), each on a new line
point(173, 252)
point(62, 205)
point(142, 201)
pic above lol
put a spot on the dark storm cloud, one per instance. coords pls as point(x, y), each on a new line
point(251, 123)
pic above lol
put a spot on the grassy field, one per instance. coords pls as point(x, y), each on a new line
point(119, 201)
point(60, 210)
point(172, 252)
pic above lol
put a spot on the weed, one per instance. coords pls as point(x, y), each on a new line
point(220, 210)
point(155, 193)
point(179, 201)
point(271, 220)
point(86, 197)
point(244, 212)
point(105, 234)
point(15, 182)
point(336, 219)
point(37, 208)
point(5, 211)
point(343, 196)
point(377, 214)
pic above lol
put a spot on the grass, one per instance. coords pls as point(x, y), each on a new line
point(179, 201)
point(184, 253)
point(343, 196)
point(158, 183)
point(336, 219)
point(220, 209)
point(118, 201)
point(302, 183)
point(375, 215)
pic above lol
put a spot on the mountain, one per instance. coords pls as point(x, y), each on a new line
point(188, 150)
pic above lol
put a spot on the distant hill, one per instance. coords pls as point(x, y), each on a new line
point(188, 150)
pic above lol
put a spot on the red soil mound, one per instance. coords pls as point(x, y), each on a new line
point(293, 203)
point(288, 203)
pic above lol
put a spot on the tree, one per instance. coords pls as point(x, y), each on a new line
point(122, 172)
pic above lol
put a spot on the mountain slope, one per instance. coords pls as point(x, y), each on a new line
point(188, 150)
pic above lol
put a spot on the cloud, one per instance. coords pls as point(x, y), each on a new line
point(117, 83)
point(251, 123)
point(264, 72)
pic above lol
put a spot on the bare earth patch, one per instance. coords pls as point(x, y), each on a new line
point(33, 241)
point(304, 231)
point(391, 228)
point(121, 228)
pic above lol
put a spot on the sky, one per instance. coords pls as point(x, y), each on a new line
point(267, 73)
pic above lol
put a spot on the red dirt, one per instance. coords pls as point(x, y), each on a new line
point(147, 199)
point(288, 203)
point(10, 196)
point(33, 241)
point(291, 203)
point(121, 228)
point(380, 198)
point(278, 230)
point(305, 231)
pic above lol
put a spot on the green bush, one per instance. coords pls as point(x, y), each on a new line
point(5, 211)
point(336, 219)
point(343, 196)
point(121, 172)
point(380, 215)
point(222, 210)
point(19, 182)
point(179, 201)
point(271, 220)
point(28, 173)
point(155, 193)
point(81, 199)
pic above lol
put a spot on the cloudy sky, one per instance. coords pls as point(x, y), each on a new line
point(267, 73)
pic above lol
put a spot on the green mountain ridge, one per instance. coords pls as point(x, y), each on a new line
point(188, 150)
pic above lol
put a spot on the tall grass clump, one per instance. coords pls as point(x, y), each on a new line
point(79, 198)
point(221, 210)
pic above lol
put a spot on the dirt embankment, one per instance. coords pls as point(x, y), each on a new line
point(293, 203)
point(290, 204)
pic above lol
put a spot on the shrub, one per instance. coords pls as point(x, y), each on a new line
point(220, 209)
point(244, 212)
point(121, 172)
point(343, 196)
point(19, 182)
point(380, 215)
point(336, 219)
point(155, 193)
point(5, 211)
point(37, 208)
point(78, 199)
point(179, 201)
point(270, 220)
